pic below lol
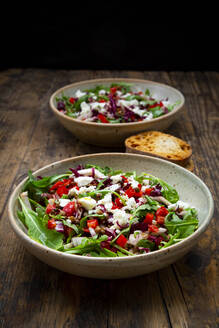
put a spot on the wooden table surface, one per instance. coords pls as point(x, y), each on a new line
point(33, 294)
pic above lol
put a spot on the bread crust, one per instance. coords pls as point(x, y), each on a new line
point(161, 145)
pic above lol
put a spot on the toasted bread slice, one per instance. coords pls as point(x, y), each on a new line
point(162, 145)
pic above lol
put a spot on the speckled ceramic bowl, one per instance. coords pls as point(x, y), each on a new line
point(114, 134)
point(191, 189)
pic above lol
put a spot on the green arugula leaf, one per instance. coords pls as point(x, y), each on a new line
point(21, 216)
point(37, 229)
point(142, 210)
point(122, 250)
point(147, 92)
point(77, 104)
point(96, 89)
point(146, 244)
point(105, 170)
point(36, 187)
point(132, 97)
point(88, 245)
point(171, 107)
point(168, 191)
point(156, 111)
point(119, 120)
point(181, 228)
point(71, 225)
point(124, 87)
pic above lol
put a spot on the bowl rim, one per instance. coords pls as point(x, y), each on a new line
point(157, 253)
point(110, 125)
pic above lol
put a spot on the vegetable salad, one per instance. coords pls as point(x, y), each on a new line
point(102, 212)
point(117, 103)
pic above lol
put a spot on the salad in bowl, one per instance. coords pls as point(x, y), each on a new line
point(104, 112)
point(115, 103)
point(96, 211)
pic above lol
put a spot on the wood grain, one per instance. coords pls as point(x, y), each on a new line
point(33, 294)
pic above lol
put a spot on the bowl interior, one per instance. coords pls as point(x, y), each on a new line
point(159, 91)
point(190, 188)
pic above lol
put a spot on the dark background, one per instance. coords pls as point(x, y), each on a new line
point(119, 35)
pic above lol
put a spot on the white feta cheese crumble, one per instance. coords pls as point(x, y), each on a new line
point(63, 202)
point(84, 190)
point(69, 221)
point(83, 181)
point(85, 110)
point(126, 95)
point(133, 182)
point(121, 217)
point(138, 111)
point(178, 204)
point(118, 93)
point(149, 117)
point(106, 201)
point(116, 178)
point(87, 202)
point(97, 105)
point(114, 187)
point(102, 92)
point(73, 192)
point(130, 204)
point(89, 172)
point(127, 103)
point(79, 93)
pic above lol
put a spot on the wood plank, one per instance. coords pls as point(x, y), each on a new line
point(137, 302)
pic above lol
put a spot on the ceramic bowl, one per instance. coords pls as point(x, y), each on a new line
point(113, 135)
point(191, 189)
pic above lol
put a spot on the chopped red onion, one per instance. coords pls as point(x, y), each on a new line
point(139, 226)
point(59, 226)
point(92, 232)
point(110, 232)
point(122, 226)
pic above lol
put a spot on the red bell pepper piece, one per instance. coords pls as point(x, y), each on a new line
point(121, 241)
point(125, 180)
point(62, 190)
point(157, 104)
point(51, 224)
point(102, 101)
point(93, 223)
point(67, 182)
point(130, 192)
point(72, 100)
point(148, 218)
point(49, 208)
point(56, 185)
point(160, 219)
point(117, 204)
point(102, 118)
point(138, 193)
point(113, 90)
point(148, 191)
point(153, 228)
point(69, 208)
point(161, 211)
